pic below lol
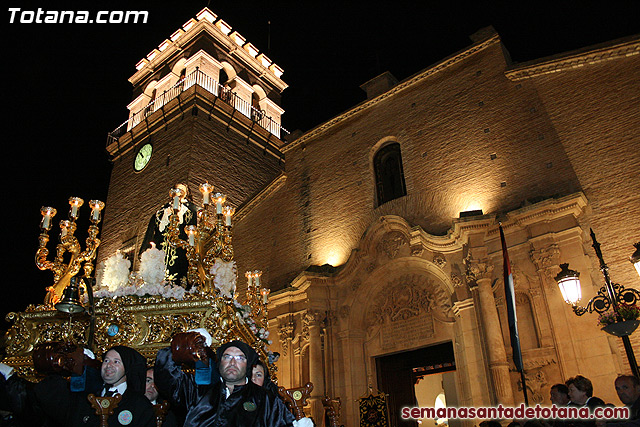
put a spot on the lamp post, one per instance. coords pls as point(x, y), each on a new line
point(610, 296)
point(635, 258)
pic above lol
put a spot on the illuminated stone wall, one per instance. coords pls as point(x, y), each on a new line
point(191, 150)
point(549, 148)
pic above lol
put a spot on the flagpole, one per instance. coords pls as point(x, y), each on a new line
point(509, 294)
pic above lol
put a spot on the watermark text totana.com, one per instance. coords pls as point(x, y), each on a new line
point(518, 412)
point(40, 16)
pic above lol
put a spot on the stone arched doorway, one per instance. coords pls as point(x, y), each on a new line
point(404, 311)
point(396, 304)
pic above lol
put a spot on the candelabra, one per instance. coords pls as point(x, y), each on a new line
point(610, 297)
point(257, 298)
point(64, 271)
point(207, 241)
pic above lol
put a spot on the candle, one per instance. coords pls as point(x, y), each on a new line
point(228, 212)
point(256, 275)
point(96, 207)
point(191, 232)
point(265, 293)
point(47, 214)
point(176, 193)
point(206, 190)
point(249, 276)
point(64, 228)
point(75, 203)
point(220, 198)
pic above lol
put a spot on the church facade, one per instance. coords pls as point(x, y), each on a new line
point(377, 231)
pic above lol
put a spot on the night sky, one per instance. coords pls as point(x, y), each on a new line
point(66, 85)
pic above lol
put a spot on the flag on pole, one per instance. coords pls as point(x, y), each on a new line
point(511, 304)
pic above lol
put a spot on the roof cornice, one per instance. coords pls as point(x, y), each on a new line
point(442, 65)
point(616, 49)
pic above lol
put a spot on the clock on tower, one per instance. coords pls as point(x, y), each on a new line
point(142, 157)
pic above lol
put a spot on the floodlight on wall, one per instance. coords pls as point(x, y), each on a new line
point(475, 212)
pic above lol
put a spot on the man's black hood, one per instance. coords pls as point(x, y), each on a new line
point(135, 367)
point(249, 352)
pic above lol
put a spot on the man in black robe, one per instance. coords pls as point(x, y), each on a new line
point(169, 418)
point(234, 401)
point(175, 261)
point(123, 371)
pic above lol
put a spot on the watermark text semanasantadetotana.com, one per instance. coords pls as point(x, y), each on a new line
point(518, 412)
point(40, 16)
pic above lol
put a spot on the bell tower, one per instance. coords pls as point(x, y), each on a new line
point(206, 107)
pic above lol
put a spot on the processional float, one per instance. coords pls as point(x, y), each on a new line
point(142, 312)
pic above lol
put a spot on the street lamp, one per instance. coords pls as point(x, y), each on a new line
point(635, 258)
point(610, 296)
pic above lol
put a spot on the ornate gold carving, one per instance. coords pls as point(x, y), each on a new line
point(208, 241)
point(63, 270)
point(144, 323)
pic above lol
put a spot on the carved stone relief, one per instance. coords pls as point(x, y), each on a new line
point(439, 260)
point(285, 333)
point(521, 299)
point(477, 269)
point(536, 382)
point(456, 280)
point(417, 249)
point(344, 311)
point(546, 261)
point(392, 242)
point(407, 297)
point(311, 318)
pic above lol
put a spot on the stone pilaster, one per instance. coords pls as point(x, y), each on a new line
point(480, 272)
point(313, 319)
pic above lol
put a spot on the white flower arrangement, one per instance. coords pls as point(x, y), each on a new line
point(113, 273)
point(243, 312)
point(225, 276)
point(114, 279)
point(167, 291)
point(152, 266)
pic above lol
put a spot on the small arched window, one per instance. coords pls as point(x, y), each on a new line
point(387, 165)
